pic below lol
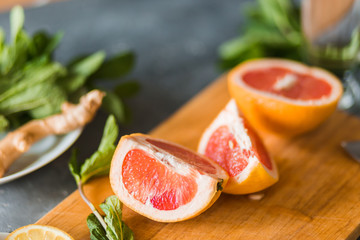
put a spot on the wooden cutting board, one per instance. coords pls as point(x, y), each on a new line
point(317, 196)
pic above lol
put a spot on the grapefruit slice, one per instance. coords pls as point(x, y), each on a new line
point(164, 181)
point(234, 144)
point(284, 96)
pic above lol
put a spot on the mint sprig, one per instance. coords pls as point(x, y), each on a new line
point(110, 227)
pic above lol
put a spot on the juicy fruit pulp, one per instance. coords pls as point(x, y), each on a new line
point(233, 143)
point(162, 180)
point(300, 86)
point(165, 189)
point(224, 149)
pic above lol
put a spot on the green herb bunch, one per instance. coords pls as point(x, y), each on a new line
point(273, 29)
point(111, 226)
point(33, 85)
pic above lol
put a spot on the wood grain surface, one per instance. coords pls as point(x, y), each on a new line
point(317, 196)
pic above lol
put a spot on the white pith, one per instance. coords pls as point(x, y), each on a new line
point(207, 185)
point(230, 117)
point(287, 82)
point(297, 68)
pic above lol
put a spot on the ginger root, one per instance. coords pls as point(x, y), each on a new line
point(72, 117)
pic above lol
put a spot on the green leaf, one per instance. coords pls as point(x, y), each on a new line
point(14, 57)
point(72, 83)
point(2, 40)
point(127, 89)
point(4, 123)
point(35, 89)
point(272, 30)
point(89, 65)
point(116, 67)
point(53, 98)
point(116, 228)
point(235, 47)
point(99, 163)
point(80, 71)
point(32, 76)
point(53, 43)
point(110, 134)
point(74, 166)
point(31, 98)
point(97, 232)
point(114, 105)
point(42, 44)
point(17, 19)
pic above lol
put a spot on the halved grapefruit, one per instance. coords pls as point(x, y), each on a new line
point(234, 144)
point(284, 96)
point(164, 181)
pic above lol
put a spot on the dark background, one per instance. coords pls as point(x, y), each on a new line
point(176, 45)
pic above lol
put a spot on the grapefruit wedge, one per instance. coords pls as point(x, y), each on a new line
point(234, 144)
point(164, 181)
point(284, 96)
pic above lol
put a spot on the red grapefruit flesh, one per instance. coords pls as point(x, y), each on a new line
point(164, 181)
point(234, 144)
point(305, 87)
point(224, 149)
point(282, 96)
point(164, 189)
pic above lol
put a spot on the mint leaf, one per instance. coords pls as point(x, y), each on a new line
point(127, 89)
point(80, 71)
point(110, 134)
point(17, 19)
point(272, 30)
point(4, 123)
point(116, 228)
point(117, 66)
point(99, 163)
point(114, 105)
point(97, 232)
point(74, 166)
point(111, 227)
point(43, 44)
point(52, 100)
point(88, 65)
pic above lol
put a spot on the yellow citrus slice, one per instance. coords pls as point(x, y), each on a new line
point(162, 180)
point(38, 232)
point(284, 96)
point(234, 144)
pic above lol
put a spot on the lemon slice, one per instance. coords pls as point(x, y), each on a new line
point(38, 232)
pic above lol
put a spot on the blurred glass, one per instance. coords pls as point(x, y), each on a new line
point(331, 30)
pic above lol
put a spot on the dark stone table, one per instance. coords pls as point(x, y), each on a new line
point(176, 44)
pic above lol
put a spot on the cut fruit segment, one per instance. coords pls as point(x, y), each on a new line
point(164, 181)
point(234, 144)
point(38, 232)
point(284, 96)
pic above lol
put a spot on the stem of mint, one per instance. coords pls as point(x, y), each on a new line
point(92, 207)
